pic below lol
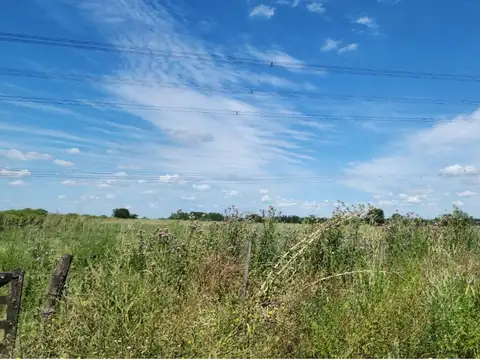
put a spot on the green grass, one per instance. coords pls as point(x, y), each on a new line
point(353, 291)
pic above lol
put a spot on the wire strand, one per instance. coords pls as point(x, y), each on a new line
point(278, 115)
point(183, 55)
point(86, 78)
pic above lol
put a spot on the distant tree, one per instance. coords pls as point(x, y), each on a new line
point(375, 216)
point(310, 219)
point(121, 213)
point(133, 216)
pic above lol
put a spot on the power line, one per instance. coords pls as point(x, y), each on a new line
point(116, 105)
point(85, 78)
point(183, 55)
point(121, 177)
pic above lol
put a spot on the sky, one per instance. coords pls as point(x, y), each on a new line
point(169, 121)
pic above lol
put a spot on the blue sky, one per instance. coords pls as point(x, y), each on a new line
point(90, 159)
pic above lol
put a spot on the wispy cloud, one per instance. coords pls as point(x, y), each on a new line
point(64, 163)
point(15, 154)
point(291, 3)
point(17, 183)
point(73, 151)
point(348, 48)
point(189, 198)
point(389, 2)
point(442, 156)
point(330, 44)
point(368, 22)
point(315, 7)
point(262, 11)
point(466, 193)
point(14, 173)
point(202, 187)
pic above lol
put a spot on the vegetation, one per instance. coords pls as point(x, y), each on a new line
point(335, 288)
point(123, 213)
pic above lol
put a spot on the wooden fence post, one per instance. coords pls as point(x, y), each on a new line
point(247, 266)
point(57, 285)
point(12, 301)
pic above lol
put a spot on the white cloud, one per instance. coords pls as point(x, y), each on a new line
point(73, 151)
point(189, 198)
point(17, 183)
point(389, 2)
point(458, 203)
point(68, 182)
point(292, 3)
point(263, 191)
point(367, 21)
point(15, 154)
point(459, 170)
point(229, 193)
point(103, 186)
point(348, 48)
point(213, 145)
point(262, 11)
point(316, 7)
point(330, 44)
point(169, 178)
point(279, 58)
point(386, 203)
point(202, 187)
point(284, 203)
point(414, 157)
point(414, 199)
point(141, 181)
point(14, 173)
point(109, 196)
point(120, 174)
point(265, 198)
point(466, 193)
point(63, 163)
point(62, 197)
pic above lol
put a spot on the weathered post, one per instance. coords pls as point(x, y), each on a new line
point(12, 301)
point(57, 285)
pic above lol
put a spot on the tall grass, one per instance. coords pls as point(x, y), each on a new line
point(173, 289)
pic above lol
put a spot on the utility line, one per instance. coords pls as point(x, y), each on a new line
point(121, 177)
point(183, 55)
point(86, 78)
point(278, 115)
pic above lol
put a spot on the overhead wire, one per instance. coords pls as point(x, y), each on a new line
point(184, 55)
point(86, 78)
point(278, 115)
point(118, 177)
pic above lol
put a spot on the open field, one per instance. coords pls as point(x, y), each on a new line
point(351, 290)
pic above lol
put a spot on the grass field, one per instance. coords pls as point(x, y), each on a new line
point(346, 290)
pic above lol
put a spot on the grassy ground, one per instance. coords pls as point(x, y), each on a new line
point(346, 290)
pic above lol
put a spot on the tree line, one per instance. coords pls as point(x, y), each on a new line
point(374, 216)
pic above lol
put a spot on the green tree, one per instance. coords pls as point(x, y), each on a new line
point(375, 216)
point(121, 213)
